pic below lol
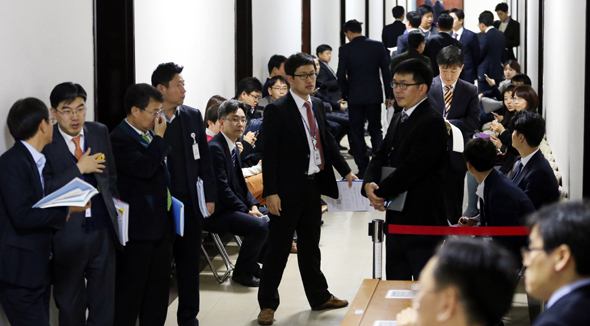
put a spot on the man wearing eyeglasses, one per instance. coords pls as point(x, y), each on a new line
point(84, 249)
point(238, 211)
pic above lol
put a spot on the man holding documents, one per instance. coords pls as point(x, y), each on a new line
point(416, 146)
point(237, 210)
point(84, 249)
point(457, 101)
point(143, 268)
point(26, 232)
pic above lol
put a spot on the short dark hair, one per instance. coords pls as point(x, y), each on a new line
point(521, 78)
point(445, 22)
point(424, 9)
point(275, 62)
point(230, 106)
point(397, 11)
point(24, 118)
point(450, 56)
point(139, 95)
point(513, 64)
point(531, 125)
point(459, 12)
point(164, 73)
point(503, 6)
point(248, 85)
point(297, 60)
point(529, 95)
point(422, 73)
point(322, 48)
point(509, 88)
point(481, 153)
point(415, 18)
point(415, 38)
point(277, 78)
point(486, 18)
point(211, 109)
point(569, 224)
point(483, 273)
point(66, 92)
point(352, 25)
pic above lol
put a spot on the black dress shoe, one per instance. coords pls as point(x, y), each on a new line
point(342, 148)
point(246, 279)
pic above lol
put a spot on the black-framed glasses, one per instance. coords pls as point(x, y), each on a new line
point(155, 114)
point(307, 76)
point(256, 97)
point(402, 86)
point(236, 120)
point(70, 113)
point(526, 251)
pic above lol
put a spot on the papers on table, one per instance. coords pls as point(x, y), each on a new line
point(178, 210)
point(457, 138)
point(201, 195)
point(75, 193)
point(350, 199)
point(399, 294)
point(122, 219)
point(385, 323)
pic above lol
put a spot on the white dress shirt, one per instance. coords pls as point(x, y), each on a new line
point(410, 110)
point(443, 85)
point(169, 120)
point(230, 144)
point(527, 158)
point(299, 102)
point(141, 133)
point(459, 33)
point(481, 187)
point(70, 143)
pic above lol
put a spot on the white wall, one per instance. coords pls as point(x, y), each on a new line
point(532, 39)
point(43, 44)
point(325, 27)
point(563, 86)
point(355, 9)
point(473, 8)
point(376, 19)
point(276, 29)
point(196, 35)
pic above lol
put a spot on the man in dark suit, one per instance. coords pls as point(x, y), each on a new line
point(237, 211)
point(558, 269)
point(510, 28)
point(299, 160)
point(392, 31)
point(417, 46)
point(470, 49)
point(457, 101)
point(437, 42)
point(532, 173)
point(26, 232)
point(438, 9)
point(413, 20)
point(415, 145)
point(188, 162)
point(358, 75)
point(276, 66)
point(143, 268)
point(502, 202)
point(84, 249)
point(491, 42)
point(326, 76)
point(249, 91)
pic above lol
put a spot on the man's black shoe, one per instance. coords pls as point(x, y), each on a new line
point(342, 148)
point(246, 279)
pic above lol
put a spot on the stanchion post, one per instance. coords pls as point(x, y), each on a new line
point(376, 232)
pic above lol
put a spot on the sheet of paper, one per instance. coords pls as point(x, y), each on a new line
point(399, 294)
point(385, 323)
point(350, 199)
point(457, 139)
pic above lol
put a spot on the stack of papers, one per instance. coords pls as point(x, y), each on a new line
point(123, 220)
point(201, 198)
point(76, 193)
point(350, 199)
point(178, 210)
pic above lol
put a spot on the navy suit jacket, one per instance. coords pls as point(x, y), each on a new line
point(492, 45)
point(402, 42)
point(25, 232)
point(232, 192)
point(464, 114)
point(329, 82)
point(391, 32)
point(143, 181)
point(471, 51)
point(438, 8)
point(434, 44)
point(571, 310)
point(360, 60)
point(538, 181)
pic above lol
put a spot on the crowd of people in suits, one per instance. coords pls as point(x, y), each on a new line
point(257, 164)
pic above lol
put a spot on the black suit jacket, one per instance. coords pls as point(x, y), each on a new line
point(402, 42)
point(359, 62)
point(329, 82)
point(232, 192)
point(61, 167)
point(512, 35)
point(409, 54)
point(464, 114)
point(491, 44)
point(471, 51)
point(391, 32)
point(143, 181)
point(434, 44)
point(416, 149)
point(286, 152)
point(571, 310)
point(538, 181)
point(25, 232)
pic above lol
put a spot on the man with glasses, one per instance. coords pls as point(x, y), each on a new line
point(249, 91)
point(84, 249)
point(237, 211)
point(416, 146)
point(143, 268)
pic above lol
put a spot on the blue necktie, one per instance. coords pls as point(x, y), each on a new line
point(404, 117)
point(517, 170)
point(233, 157)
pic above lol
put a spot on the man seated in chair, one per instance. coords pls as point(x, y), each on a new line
point(238, 210)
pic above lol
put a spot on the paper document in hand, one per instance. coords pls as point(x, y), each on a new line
point(201, 198)
point(178, 210)
point(123, 220)
point(457, 138)
point(350, 199)
point(76, 193)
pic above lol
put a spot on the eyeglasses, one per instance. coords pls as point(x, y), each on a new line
point(276, 88)
point(401, 86)
point(155, 114)
point(71, 113)
point(256, 97)
point(307, 76)
point(526, 251)
point(237, 120)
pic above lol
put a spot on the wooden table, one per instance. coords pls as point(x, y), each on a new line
point(370, 304)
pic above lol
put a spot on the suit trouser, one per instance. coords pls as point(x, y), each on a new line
point(142, 286)
point(253, 228)
point(357, 115)
point(25, 306)
point(187, 251)
point(304, 217)
point(454, 190)
point(406, 255)
point(84, 274)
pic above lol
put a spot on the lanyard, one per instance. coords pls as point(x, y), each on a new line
point(314, 141)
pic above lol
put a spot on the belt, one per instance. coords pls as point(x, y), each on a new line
point(311, 176)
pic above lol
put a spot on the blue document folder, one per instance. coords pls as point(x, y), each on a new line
point(178, 210)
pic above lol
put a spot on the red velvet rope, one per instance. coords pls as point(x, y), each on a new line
point(461, 230)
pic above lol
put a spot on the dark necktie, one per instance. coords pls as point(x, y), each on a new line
point(233, 157)
point(448, 100)
point(315, 135)
point(517, 170)
point(455, 35)
point(404, 117)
